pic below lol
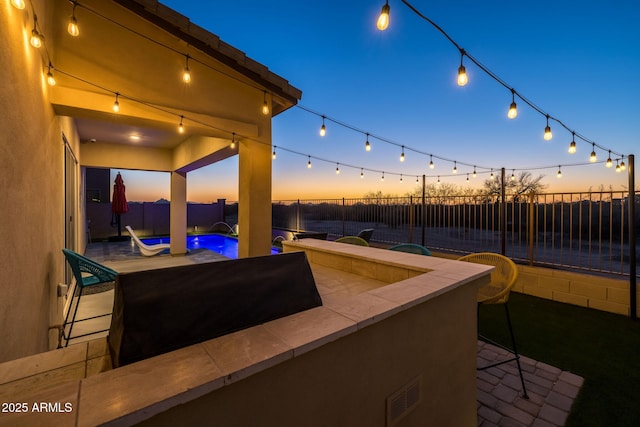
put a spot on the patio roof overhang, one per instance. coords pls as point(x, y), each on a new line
point(139, 50)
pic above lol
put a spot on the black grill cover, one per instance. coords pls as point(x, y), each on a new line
point(157, 311)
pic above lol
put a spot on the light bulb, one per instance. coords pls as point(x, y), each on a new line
point(265, 106)
point(462, 76)
point(438, 180)
point(431, 165)
point(559, 174)
point(273, 155)
point(116, 104)
point(367, 146)
point(337, 168)
point(513, 109)
point(382, 178)
point(72, 28)
point(402, 154)
point(361, 173)
point(618, 168)
point(233, 140)
point(513, 176)
point(36, 39)
point(547, 133)
point(417, 182)
point(467, 177)
point(572, 147)
point(181, 126)
point(455, 168)
point(593, 158)
point(401, 178)
point(491, 176)
point(50, 79)
point(609, 161)
point(309, 163)
point(18, 4)
point(622, 165)
point(186, 73)
point(383, 19)
point(474, 172)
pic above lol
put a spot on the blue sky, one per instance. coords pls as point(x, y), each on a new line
point(576, 60)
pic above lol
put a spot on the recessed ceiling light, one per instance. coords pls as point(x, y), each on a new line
point(134, 137)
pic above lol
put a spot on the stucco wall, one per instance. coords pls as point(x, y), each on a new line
point(347, 382)
point(32, 196)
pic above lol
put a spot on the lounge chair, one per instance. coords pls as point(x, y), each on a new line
point(147, 250)
point(94, 274)
point(365, 234)
point(353, 240)
point(411, 248)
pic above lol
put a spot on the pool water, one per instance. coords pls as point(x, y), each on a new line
point(224, 245)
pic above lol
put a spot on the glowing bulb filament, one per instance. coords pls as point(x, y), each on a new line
point(462, 76)
point(593, 158)
point(309, 163)
point(383, 19)
point(402, 154)
point(181, 126)
point(265, 106)
point(513, 111)
point(547, 131)
point(323, 128)
point(72, 28)
point(50, 79)
point(186, 73)
point(116, 104)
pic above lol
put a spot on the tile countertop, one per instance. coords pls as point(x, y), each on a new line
point(138, 391)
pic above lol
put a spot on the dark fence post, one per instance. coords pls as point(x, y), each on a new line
point(532, 225)
point(423, 208)
point(410, 219)
point(343, 217)
point(503, 216)
point(633, 309)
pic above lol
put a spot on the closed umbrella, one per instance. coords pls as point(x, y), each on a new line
point(119, 202)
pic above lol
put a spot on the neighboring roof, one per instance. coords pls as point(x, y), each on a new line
point(198, 37)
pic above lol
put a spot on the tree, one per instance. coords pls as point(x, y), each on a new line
point(515, 185)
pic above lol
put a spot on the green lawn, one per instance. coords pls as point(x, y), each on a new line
point(603, 348)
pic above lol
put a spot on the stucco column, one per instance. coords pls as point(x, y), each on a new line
point(254, 197)
point(178, 212)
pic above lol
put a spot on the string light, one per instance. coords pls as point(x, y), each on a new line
point(337, 168)
point(36, 38)
point(367, 146)
point(116, 104)
point(618, 168)
point(181, 126)
point(462, 72)
point(474, 172)
point(401, 179)
point(417, 179)
point(265, 106)
point(572, 146)
point(72, 28)
point(50, 79)
point(513, 109)
point(186, 73)
point(455, 167)
point(513, 175)
point(431, 165)
point(233, 141)
point(18, 4)
point(593, 158)
point(438, 180)
point(547, 131)
point(609, 161)
point(361, 173)
point(559, 174)
point(622, 165)
point(382, 178)
point(383, 18)
point(402, 154)
point(323, 128)
point(273, 155)
point(309, 163)
point(491, 176)
point(467, 177)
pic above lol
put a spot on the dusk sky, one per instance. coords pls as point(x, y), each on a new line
point(578, 61)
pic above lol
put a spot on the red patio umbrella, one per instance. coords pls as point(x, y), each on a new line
point(119, 203)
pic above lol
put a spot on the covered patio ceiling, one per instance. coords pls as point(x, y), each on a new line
point(140, 53)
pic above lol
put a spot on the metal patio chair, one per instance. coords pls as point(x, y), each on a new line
point(352, 240)
point(87, 273)
point(497, 291)
point(365, 234)
point(411, 248)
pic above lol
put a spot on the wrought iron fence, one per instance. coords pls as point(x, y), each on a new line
point(584, 230)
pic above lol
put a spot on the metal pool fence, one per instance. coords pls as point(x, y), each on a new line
point(584, 230)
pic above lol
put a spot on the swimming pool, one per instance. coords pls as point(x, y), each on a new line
point(224, 245)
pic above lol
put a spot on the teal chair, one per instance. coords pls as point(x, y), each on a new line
point(94, 274)
point(353, 240)
point(411, 248)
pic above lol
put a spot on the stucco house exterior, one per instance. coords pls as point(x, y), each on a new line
point(134, 52)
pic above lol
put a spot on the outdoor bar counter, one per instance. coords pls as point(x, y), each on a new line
point(394, 343)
